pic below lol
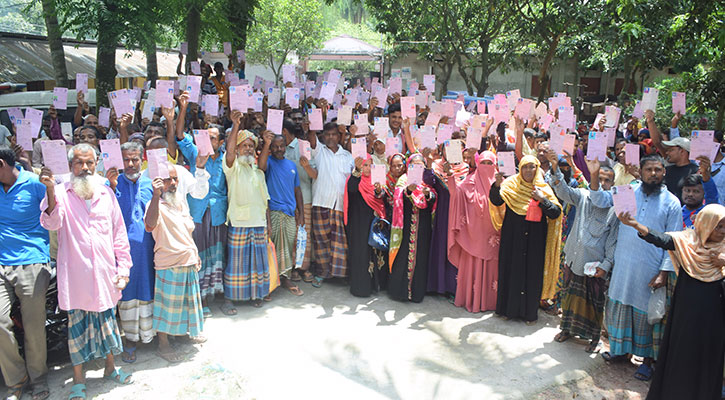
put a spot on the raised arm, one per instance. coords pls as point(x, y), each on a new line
point(152, 212)
point(267, 136)
point(183, 103)
point(654, 132)
point(231, 153)
point(519, 129)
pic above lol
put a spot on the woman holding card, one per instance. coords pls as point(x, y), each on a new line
point(690, 361)
point(414, 203)
point(363, 202)
point(475, 239)
point(530, 241)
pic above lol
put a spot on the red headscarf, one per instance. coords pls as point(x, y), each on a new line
point(367, 191)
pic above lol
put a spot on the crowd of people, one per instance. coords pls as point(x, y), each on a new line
point(395, 192)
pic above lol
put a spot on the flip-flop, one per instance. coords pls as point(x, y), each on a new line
point(172, 357)
point(608, 357)
point(317, 282)
point(228, 309)
point(593, 347)
point(643, 373)
point(308, 277)
point(562, 337)
point(77, 391)
point(267, 298)
point(295, 276)
point(40, 391)
point(120, 377)
point(257, 303)
point(16, 392)
point(131, 358)
point(295, 290)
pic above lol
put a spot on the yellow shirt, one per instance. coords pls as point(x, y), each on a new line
point(247, 193)
point(621, 176)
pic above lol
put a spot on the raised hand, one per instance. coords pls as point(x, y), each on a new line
point(47, 179)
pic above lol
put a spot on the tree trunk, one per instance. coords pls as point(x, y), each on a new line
point(105, 59)
point(193, 29)
point(57, 54)
point(447, 68)
point(720, 114)
point(152, 69)
point(623, 95)
point(239, 13)
point(544, 71)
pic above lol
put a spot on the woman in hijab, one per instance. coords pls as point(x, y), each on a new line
point(690, 361)
point(474, 240)
point(363, 202)
point(412, 227)
point(530, 241)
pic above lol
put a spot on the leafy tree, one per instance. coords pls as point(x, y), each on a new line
point(284, 27)
point(55, 42)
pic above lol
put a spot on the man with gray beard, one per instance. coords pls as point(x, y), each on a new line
point(93, 263)
point(134, 194)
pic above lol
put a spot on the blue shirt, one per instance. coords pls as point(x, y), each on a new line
point(282, 179)
point(216, 199)
point(711, 197)
point(636, 262)
point(22, 240)
point(133, 198)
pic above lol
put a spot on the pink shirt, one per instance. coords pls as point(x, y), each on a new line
point(92, 248)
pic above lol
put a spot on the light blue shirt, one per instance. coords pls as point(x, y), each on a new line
point(718, 176)
point(636, 262)
point(216, 199)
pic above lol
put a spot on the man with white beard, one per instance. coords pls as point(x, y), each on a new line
point(93, 262)
point(247, 274)
point(177, 300)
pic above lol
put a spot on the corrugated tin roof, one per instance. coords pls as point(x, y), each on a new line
point(347, 45)
point(26, 58)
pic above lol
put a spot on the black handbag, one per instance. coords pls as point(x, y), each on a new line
point(379, 237)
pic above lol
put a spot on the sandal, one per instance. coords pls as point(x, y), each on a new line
point(257, 303)
point(228, 309)
point(644, 373)
point(128, 356)
point(608, 357)
point(77, 391)
point(120, 377)
point(172, 356)
point(295, 290)
point(267, 297)
point(40, 391)
point(307, 277)
point(197, 339)
point(562, 336)
point(15, 392)
point(530, 323)
point(295, 276)
point(317, 282)
point(593, 347)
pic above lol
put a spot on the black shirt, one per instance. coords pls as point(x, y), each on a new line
point(675, 175)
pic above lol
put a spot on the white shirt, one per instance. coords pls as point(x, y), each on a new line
point(196, 185)
point(333, 169)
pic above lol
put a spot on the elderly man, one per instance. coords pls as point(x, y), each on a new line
point(285, 205)
point(25, 273)
point(639, 267)
point(592, 241)
point(177, 304)
point(247, 273)
point(134, 194)
point(93, 262)
point(210, 212)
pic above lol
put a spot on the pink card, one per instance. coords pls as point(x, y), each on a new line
point(273, 97)
point(597, 147)
point(638, 112)
point(566, 117)
point(523, 108)
point(184, 48)
point(382, 95)
point(334, 76)
point(158, 164)
point(237, 96)
point(612, 113)
point(361, 122)
point(36, 120)
point(500, 113)
point(480, 106)
point(378, 174)
point(258, 83)
point(195, 68)
point(473, 138)
point(631, 154)
point(274, 120)
point(429, 81)
point(310, 89)
point(512, 98)
point(210, 104)
point(327, 91)
point(203, 142)
point(305, 150)
point(289, 73)
point(104, 117)
point(344, 117)
point(258, 99)
point(540, 111)
point(193, 86)
point(611, 134)
point(241, 56)
point(331, 114)
point(380, 126)
point(227, 49)
point(55, 156)
point(506, 163)
point(444, 133)
point(315, 116)
point(421, 98)
point(597, 120)
point(164, 94)
point(678, 103)
point(546, 122)
point(25, 134)
point(359, 146)
point(454, 151)
point(111, 154)
point(462, 117)
point(649, 99)
point(391, 146)
point(499, 98)
point(561, 141)
point(415, 174)
point(433, 119)
point(14, 113)
point(395, 85)
point(82, 83)
point(701, 144)
point(407, 107)
point(428, 137)
point(292, 97)
point(624, 200)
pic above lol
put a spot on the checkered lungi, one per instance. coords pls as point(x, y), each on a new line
point(283, 233)
point(247, 274)
point(582, 305)
point(629, 330)
point(211, 242)
point(177, 303)
point(92, 335)
point(307, 261)
point(137, 320)
point(328, 232)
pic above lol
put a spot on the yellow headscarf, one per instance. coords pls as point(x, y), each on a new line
point(516, 193)
point(692, 251)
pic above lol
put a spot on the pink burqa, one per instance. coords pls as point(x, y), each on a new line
point(472, 239)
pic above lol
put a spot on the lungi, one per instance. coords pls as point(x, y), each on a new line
point(309, 250)
point(328, 231)
point(177, 303)
point(283, 233)
point(247, 274)
point(92, 335)
point(629, 330)
point(211, 242)
point(137, 320)
point(582, 305)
